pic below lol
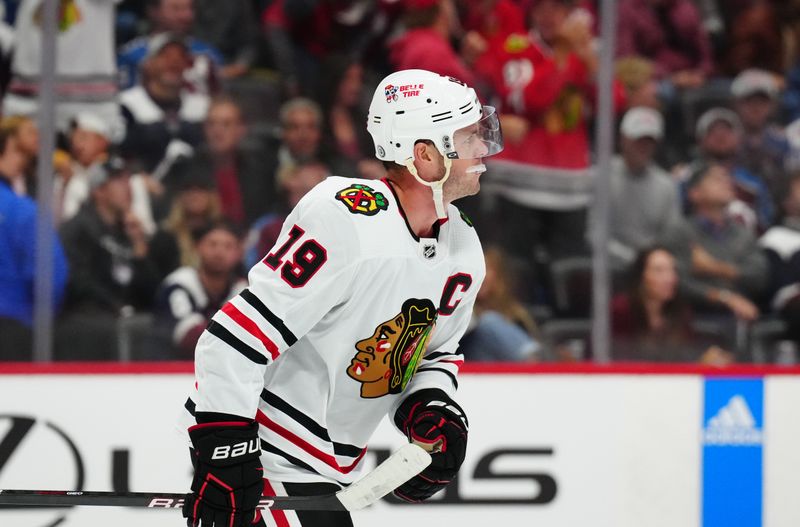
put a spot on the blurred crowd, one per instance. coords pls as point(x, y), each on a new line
point(188, 129)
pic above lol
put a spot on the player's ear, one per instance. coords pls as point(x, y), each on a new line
point(420, 151)
point(425, 150)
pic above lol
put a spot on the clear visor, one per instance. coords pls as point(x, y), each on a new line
point(481, 139)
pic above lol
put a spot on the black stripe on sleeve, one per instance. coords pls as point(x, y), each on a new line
point(439, 354)
point(449, 374)
point(231, 340)
point(269, 316)
point(190, 406)
point(309, 424)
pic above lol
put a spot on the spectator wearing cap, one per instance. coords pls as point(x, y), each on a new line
point(85, 65)
point(237, 172)
point(189, 296)
point(108, 249)
point(644, 199)
point(720, 133)
point(764, 149)
point(17, 262)
point(425, 44)
point(722, 268)
point(160, 110)
point(670, 33)
point(175, 17)
point(90, 143)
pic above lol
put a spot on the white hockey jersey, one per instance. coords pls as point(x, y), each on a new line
point(348, 313)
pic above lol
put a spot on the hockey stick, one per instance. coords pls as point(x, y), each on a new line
point(401, 466)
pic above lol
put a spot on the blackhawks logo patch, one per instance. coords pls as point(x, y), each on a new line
point(386, 361)
point(361, 199)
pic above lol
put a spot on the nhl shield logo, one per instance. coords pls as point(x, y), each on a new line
point(361, 199)
point(429, 250)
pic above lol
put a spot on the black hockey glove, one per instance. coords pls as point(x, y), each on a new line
point(431, 417)
point(228, 476)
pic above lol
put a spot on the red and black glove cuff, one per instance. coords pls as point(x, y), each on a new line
point(431, 417)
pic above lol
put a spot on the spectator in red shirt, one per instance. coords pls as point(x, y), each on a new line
point(426, 42)
point(547, 79)
point(494, 18)
point(545, 83)
point(301, 34)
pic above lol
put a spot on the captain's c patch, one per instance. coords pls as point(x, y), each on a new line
point(361, 199)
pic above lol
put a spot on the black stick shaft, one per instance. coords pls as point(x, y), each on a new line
point(152, 500)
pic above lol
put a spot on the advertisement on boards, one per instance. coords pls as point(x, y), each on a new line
point(557, 450)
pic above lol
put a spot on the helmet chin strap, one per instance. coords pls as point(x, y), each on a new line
point(436, 186)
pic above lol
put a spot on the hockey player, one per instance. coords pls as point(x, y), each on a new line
point(356, 313)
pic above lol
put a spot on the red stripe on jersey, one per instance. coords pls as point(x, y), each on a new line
point(220, 424)
point(251, 327)
point(456, 363)
point(307, 447)
point(278, 515)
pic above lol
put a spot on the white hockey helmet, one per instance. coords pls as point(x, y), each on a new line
point(412, 105)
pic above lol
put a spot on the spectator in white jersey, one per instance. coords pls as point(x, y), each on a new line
point(160, 110)
point(175, 17)
point(354, 315)
point(189, 296)
point(85, 69)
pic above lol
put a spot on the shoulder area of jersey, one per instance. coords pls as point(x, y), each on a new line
point(460, 216)
point(353, 197)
